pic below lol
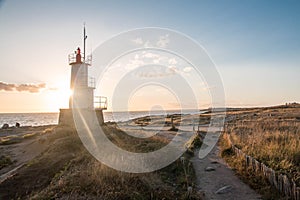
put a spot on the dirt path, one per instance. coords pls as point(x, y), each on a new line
point(217, 181)
point(20, 153)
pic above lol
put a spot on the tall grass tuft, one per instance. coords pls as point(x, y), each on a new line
point(272, 136)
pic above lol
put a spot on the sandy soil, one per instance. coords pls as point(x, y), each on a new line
point(217, 181)
point(24, 151)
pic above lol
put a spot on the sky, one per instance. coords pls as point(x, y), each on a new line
point(255, 46)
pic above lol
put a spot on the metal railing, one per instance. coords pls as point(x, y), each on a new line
point(100, 102)
point(72, 58)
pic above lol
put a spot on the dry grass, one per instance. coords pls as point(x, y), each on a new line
point(133, 144)
point(10, 140)
point(271, 135)
point(247, 175)
point(5, 161)
point(67, 171)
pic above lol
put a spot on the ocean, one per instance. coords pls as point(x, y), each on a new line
point(39, 119)
point(28, 119)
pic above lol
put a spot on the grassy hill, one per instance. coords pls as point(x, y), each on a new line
point(65, 170)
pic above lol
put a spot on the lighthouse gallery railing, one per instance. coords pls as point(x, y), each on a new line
point(100, 102)
point(72, 58)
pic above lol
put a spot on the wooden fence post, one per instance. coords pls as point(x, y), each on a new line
point(281, 182)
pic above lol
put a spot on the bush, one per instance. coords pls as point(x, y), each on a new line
point(5, 161)
point(296, 159)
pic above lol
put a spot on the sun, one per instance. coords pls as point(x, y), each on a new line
point(58, 96)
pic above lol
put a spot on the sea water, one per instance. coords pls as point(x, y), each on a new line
point(39, 119)
point(28, 119)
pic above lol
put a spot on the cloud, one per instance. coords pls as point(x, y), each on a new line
point(150, 55)
point(147, 44)
point(53, 89)
point(6, 86)
point(134, 63)
point(172, 61)
point(155, 72)
point(32, 88)
point(156, 61)
point(138, 40)
point(163, 41)
point(208, 88)
point(173, 68)
point(187, 69)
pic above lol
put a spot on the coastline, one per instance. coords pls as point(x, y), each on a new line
point(36, 142)
point(49, 149)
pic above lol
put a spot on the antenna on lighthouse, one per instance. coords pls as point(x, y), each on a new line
point(84, 38)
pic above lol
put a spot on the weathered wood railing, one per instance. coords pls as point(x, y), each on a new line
point(281, 182)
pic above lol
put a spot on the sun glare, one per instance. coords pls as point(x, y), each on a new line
point(58, 97)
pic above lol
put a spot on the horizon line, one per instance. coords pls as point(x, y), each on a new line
point(200, 109)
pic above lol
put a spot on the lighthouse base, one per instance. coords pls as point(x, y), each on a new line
point(66, 117)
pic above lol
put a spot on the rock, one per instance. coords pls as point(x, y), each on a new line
point(173, 129)
point(209, 169)
point(17, 125)
point(189, 190)
point(5, 126)
point(182, 159)
point(224, 189)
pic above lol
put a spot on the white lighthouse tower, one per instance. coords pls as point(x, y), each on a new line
point(83, 87)
point(81, 84)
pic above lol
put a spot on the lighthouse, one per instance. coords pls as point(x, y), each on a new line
point(82, 86)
